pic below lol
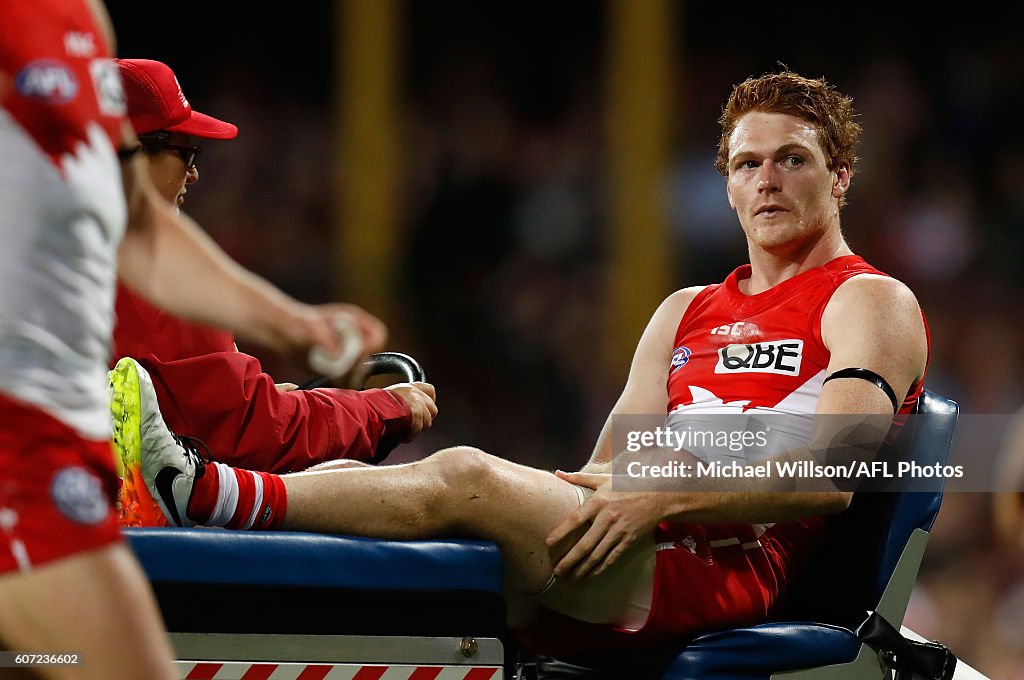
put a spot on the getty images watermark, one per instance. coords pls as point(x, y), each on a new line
point(786, 452)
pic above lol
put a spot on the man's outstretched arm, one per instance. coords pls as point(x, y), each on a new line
point(169, 260)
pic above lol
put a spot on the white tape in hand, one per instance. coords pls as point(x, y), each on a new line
point(337, 364)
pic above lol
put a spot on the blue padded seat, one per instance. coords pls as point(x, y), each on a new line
point(317, 560)
point(233, 582)
point(744, 653)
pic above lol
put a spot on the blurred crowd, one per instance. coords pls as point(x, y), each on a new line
point(503, 216)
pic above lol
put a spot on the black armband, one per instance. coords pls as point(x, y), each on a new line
point(871, 377)
point(126, 153)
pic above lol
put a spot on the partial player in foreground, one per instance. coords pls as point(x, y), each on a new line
point(79, 208)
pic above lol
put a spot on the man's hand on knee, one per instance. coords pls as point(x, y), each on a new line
point(613, 521)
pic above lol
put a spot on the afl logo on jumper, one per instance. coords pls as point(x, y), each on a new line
point(780, 356)
point(680, 355)
point(47, 79)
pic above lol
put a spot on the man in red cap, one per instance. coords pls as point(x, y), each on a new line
point(164, 121)
point(206, 388)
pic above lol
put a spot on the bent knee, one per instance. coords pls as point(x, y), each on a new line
point(465, 474)
point(462, 466)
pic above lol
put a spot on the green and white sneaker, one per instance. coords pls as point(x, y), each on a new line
point(137, 507)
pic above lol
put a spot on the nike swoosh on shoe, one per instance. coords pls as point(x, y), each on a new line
point(164, 483)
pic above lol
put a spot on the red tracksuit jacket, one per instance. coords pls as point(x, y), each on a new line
point(209, 390)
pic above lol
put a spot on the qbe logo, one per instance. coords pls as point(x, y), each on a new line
point(779, 356)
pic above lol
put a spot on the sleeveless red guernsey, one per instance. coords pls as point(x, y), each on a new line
point(733, 354)
point(741, 354)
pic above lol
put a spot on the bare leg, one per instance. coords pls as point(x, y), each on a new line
point(455, 492)
point(97, 604)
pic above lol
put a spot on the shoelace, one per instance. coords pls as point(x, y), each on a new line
point(194, 449)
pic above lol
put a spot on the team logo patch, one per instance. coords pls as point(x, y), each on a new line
point(78, 495)
point(47, 79)
point(680, 355)
point(106, 80)
point(779, 356)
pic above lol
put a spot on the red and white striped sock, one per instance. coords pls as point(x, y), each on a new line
point(238, 499)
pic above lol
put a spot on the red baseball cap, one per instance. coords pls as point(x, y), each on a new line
point(155, 102)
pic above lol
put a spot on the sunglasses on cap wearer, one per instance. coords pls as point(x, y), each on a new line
point(157, 141)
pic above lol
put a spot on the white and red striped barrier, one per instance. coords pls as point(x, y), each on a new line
point(244, 670)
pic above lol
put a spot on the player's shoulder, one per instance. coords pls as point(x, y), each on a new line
point(877, 317)
point(685, 295)
point(875, 290)
point(672, 309)
point(875, 304)
point(677, 303)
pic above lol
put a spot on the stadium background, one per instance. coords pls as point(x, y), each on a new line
point(499, 275)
